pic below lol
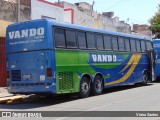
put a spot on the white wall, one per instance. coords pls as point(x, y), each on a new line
point(41, 8)
point(68, 16)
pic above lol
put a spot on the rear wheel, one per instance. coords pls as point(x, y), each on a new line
point(84, 88)
point(97, 86)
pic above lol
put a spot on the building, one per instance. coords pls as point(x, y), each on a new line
point(8, 14)
point(142, 30)
point(83, 14)
point(3, 25)
point(8, 10)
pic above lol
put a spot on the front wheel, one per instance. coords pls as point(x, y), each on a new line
point(97, 86)
point(84, 88)
point(146, 77)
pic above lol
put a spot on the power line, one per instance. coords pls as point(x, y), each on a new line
point(116, 4)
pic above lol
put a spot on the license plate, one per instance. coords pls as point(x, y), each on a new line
point(27, 76)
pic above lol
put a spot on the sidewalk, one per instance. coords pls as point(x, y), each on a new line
point(4, 92)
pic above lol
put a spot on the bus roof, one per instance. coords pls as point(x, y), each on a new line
point(83, 28)
point(64, 24)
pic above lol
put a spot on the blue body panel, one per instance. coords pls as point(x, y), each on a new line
point(31, 63)
point(29, 36)
point(30, 54)
point(156, 46)
point(136, 74)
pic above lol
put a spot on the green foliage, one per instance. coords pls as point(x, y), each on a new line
point(155, 23)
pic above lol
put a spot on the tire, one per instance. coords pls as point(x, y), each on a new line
point(146, 77)
point(97, 86)
point(84, 88)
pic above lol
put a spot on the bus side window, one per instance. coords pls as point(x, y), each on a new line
point(138, 46)
point(60, 37)
point(91, 43)
point(115, 43)
point(127, 44)
point(71, 39)
point(121, 44)
point(99, 40)
point(143, 46)
point(133, 45)
point(149, 45)
point(107, 42)
point(82, 40)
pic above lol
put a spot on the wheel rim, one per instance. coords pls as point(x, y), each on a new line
point(98, 85)
point(84, 87)
point(146, 78)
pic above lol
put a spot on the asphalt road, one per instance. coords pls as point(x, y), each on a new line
point(128, 98)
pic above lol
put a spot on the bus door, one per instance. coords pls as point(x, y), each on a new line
point(151, 56)
point(157, 64)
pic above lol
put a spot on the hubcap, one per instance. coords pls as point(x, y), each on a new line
point(84, 87)
point(98, 85)
point(146, 78)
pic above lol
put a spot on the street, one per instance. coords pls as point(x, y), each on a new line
point(126, 98)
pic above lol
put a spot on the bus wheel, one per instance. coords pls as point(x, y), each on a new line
point(84, 88)
point(145, 78)
point(97, 86)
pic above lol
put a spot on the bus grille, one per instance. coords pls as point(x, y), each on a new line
point(16, 75)
point(66, 82)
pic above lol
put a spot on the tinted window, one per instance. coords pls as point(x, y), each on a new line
point(70, 38)
point(91, 43)
point(127, 44)
point(121, 44)
point(82, 40)
point(60, 37)
point(149, 45)
point(133, 45)
point(99, 42)
point(115, 43)
point(138, 46)
point(143, 46)
point(107, 42)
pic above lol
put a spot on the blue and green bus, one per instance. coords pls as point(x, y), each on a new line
point(50, 57)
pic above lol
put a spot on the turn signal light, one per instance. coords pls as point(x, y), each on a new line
point(49, 73)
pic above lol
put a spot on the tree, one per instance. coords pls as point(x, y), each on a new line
point(155, 23)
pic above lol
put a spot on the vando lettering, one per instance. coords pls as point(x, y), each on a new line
point(26, 33)
point(103, 58)
point(156, 45)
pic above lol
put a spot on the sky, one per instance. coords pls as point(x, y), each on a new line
point(131, 11)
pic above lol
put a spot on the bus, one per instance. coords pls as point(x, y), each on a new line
point(156, 46)
point(50, 57)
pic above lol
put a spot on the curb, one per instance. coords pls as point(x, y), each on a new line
point(4, 93)
point(10, 99)
point(6, 96)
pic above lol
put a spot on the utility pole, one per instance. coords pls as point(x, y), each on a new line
point(93, 4)
point(92, 7)
point(18, 10)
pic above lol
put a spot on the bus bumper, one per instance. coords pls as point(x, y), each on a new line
point(32, 89)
